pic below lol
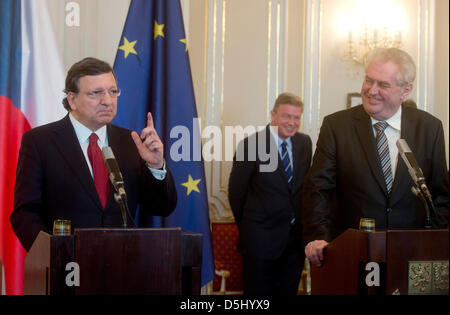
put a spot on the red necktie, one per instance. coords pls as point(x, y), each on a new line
point(101, 180)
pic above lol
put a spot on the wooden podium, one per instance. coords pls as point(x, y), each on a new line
point(410, 261)
point(165, 261)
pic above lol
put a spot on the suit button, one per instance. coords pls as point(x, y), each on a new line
point(389, 210)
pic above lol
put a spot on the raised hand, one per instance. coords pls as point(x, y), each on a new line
point(150, 147)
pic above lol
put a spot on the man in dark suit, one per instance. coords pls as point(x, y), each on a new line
point(356, 171)
point(264, 194)
point(61, 173)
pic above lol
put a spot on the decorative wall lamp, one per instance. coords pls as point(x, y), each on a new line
point(369, 24)
point(360, 42)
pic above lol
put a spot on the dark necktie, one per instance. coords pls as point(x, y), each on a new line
point(383, 152)
point(286, 162)
point(101, 180)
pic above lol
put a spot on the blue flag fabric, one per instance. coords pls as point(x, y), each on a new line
point(10, 50)
point(153, 71)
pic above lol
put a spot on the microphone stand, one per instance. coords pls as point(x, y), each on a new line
point(121, 198)
point(122, 201)
point(420, 194)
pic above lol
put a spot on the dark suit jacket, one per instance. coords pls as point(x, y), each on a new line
point(53, 182)
point(346, 169)
point(262, 203)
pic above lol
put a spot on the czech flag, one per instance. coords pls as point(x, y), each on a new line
point(31, 84)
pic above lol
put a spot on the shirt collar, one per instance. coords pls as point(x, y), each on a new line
point(395, 121)
point(279, 140)
point(83, 133)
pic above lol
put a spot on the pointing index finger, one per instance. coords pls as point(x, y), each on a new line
point(150, 120)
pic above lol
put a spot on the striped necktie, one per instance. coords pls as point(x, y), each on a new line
point(286, 162)
point(383, 152)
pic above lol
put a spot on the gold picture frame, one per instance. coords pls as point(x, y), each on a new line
point(353, 99)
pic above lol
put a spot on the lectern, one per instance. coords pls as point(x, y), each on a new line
point(408, 262)
point(164, 261)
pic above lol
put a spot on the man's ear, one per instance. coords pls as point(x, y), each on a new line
point(406, 91)
point(71, 100)
point(272, 114)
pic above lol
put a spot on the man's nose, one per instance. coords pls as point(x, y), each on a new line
point(107, 99)
point(293, 121)
point(373, 89)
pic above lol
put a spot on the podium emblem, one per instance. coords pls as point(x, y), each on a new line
point(428, 277)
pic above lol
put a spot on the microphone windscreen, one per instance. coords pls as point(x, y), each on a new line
point(403, 146)
point(110, 161)
point(107, 153)
point(409, 158)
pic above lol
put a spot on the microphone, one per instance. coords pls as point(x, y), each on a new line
point(420, 188)
point(413, 167)
point(115, 176)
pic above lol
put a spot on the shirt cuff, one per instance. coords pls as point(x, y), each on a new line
point(159, 174)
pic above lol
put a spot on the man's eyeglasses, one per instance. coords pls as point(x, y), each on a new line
point(114, 93)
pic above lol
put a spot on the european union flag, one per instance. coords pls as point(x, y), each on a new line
point(153, 71)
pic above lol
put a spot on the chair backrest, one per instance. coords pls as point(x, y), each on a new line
point(226, 257)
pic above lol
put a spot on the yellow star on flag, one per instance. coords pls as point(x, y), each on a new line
point(184, 41)
point(159, 29)
point(128, 47)
point(191, 185)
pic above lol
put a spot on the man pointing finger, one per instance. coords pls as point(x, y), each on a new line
point(60, 171)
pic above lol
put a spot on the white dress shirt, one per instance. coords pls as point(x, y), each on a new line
point(392, 132)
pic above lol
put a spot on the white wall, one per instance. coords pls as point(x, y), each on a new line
point(441, 58)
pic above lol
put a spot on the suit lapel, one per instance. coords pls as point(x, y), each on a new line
point(364, 131)
point(67, 143)
point(295, 161)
